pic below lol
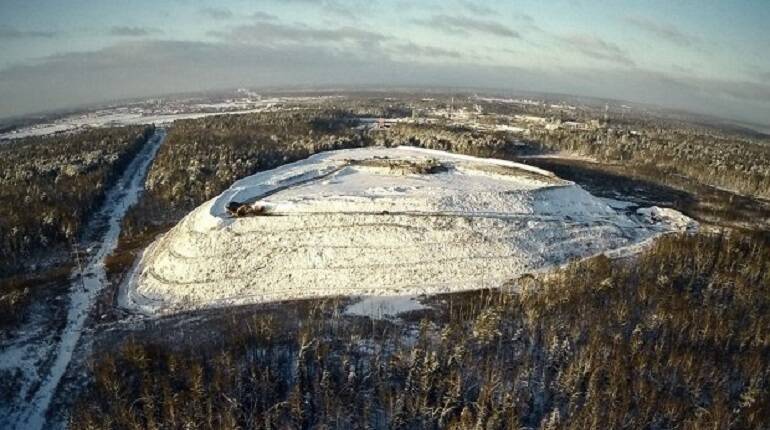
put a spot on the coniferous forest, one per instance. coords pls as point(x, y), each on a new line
point(675, 339)
point(49, 188)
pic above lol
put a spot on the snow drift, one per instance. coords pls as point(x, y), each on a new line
point(379, 221)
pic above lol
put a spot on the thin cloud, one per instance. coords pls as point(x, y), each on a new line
point(596, 48)
point(463, 25)
point(268, 33)
point(9, 33)
point(218, 13)
point(126, 31)
point(525, 18)
point(663, 31)
point(263, 16)
point(413, 49)
point(345, 9)
point(477, 7)
point(339, 9)
point(682, 69)
point(277, 34)
point(748, 91)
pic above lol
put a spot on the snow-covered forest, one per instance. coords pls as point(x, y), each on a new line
point(49, 187)
point(677, 339)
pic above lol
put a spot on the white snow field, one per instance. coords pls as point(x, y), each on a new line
point(380, 222)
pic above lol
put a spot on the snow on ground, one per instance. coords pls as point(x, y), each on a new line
point(81, 122)
point(379, 307)
point(667, 216)
point(618, 204)
point(379, 222)
point(510, 128)
point(123, 116)
point(22, 358)
point(33, 400)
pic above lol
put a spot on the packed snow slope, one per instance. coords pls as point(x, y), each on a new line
point(380, 221)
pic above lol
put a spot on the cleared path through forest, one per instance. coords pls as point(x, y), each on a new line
point(86, 288)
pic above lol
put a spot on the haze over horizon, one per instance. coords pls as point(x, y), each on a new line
point(705, 57)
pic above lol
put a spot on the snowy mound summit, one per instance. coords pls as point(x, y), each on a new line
point(379, 221)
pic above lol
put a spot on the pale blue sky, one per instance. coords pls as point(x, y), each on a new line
point(705, 56)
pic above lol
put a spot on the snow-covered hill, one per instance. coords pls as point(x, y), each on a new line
point(380, 221)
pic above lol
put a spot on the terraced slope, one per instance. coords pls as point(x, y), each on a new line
point(379, 221)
